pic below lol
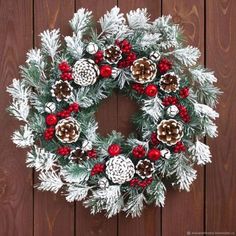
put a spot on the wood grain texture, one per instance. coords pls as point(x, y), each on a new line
point(183, 209)
point(16, 196)
point(220, 176)
point(52, 214)
point(86, 224)
point(149, 224)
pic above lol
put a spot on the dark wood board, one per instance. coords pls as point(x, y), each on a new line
point(16, 195)
point(220, 175)
point(52, 214)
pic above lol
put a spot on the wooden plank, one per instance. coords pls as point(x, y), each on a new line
point(16, 196)
point(149, 222)
point(220, 175)
point(52, 214)
point(183, 209)
point(87, 224)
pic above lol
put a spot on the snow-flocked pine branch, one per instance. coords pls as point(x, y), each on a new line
point(81, 20)
point(50, 41)
point(200, 153)
point(24, 137)
point(138, 19)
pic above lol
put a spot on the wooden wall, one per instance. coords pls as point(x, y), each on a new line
point(211, 204)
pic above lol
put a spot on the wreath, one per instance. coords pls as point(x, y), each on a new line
point(62, 85)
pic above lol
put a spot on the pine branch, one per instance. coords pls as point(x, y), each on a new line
point(50, 42)
point(75, 45)
point(75, 173)
point(134, 205)
point(81, 21)
point(200, 153)
point(50, 181)
point(24, 137)
point(20, 110)
point(77, 192)
point(153, 107)
point(187, 56)
point(19, 91)
point(41, 160)
point(202, 75)
point(138, 19)
point(113, 21)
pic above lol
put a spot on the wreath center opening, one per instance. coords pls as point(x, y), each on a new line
point(116, 113)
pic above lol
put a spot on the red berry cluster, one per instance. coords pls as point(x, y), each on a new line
point(150, 90)
point(128, 57)
point(183, 113)
point(179, 147)
point(74, 107)
point(139, 151)
point(97, 169)
point(64, 151)
point(164, 65)
point(170, 100)
point(114, 149)
point(154, 154)
point(141, 183)
point(184, 92)
point(92, 153)
point(49, 133)
point(138, 88)
point(154, 140)
point(98, 56)
point(65, 69)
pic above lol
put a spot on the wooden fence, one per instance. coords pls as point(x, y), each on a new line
point(211, 204)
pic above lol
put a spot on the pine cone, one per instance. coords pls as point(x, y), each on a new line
point(112, 54)
point(119, 169)
point(143, 70)
point(145, 168)
point(78, 155)
point(169, 82)
point(169, 132)
point(85, 72)
point(67, 130)
point(61, 90)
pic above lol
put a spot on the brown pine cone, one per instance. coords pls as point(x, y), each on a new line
point(145, 168)
point(67, 130)
point(78, 155)
point(61, 90)
point(169, 132)
point(112, 54)
point(169, 82)
point(143, 70)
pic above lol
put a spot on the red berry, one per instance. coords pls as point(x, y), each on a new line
point(179, 147)
point(51, 119)
point(114, 150)
point(66, 76)
point(151, 90)
point(164, 65)
point(92, 153)
point(154, 154)
point(97, 169)
point(64, 67)
point(105, 71)
point(139, 151)
point(154, 139)
point(63, 151)
point(49, 133)
point(184, 92)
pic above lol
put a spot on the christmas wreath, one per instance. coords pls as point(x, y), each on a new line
point(62, 85)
